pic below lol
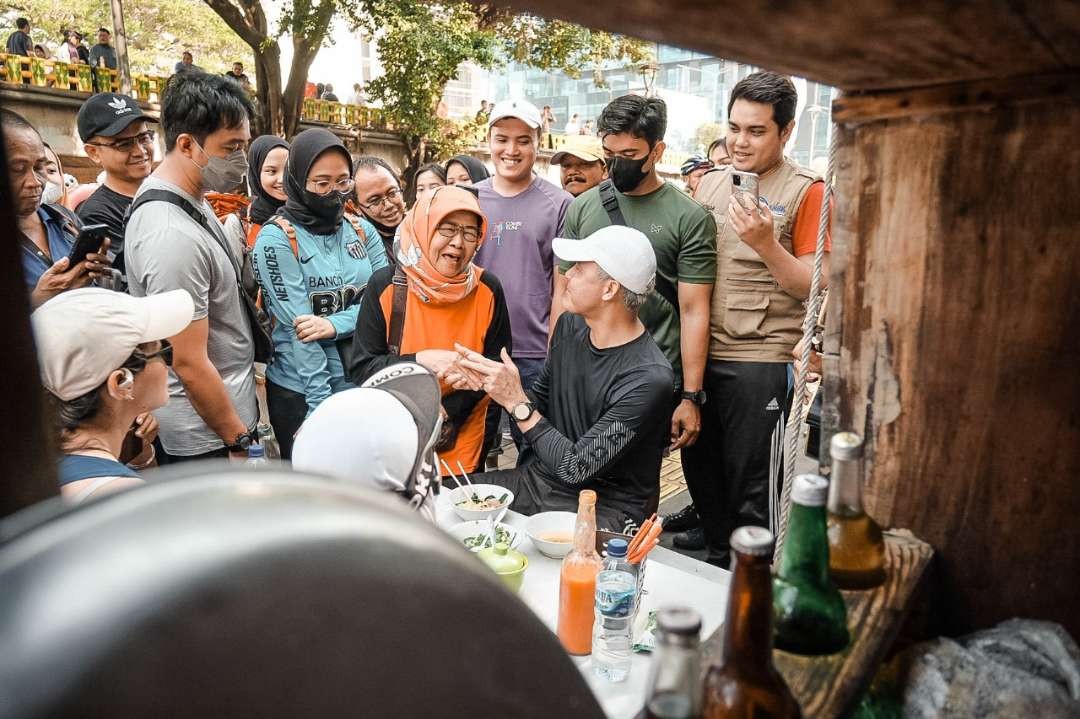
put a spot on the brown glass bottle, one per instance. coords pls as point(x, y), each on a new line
point(856, 546)
point(743, 683)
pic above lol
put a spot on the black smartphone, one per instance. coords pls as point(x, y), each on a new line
point(89, 240)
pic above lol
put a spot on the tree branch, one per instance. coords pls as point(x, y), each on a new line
point(238, 23)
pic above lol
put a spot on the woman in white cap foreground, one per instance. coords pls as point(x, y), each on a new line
point(104, 359)
point(381, 435)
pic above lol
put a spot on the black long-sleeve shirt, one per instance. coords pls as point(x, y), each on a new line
point(606, 416)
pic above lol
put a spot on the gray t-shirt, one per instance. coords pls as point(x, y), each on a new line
point(165, 250)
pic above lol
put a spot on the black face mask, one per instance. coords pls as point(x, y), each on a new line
point(626, 174)
point(329, 207)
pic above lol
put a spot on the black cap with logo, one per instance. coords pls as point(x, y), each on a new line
point(108, 114)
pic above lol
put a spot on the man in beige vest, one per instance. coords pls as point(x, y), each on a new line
point(765, 257)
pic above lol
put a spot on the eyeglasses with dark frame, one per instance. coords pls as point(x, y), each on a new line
point(127, 144)
point(165, 353)
point(378, 202)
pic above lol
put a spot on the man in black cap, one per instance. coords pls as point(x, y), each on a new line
point(117, 138)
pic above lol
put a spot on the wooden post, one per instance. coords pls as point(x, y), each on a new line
point(953, 336)
point(121, 46)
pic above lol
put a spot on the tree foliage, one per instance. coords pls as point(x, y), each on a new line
point(157, 32)
point(307, 22)
point(706, 133)
point(422, 44)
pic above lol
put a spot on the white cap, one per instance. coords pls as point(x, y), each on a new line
point(521, 109)
point(810, 490)
point(84, 335)
point(381, 434)
point(622, 252)
point(361, 435)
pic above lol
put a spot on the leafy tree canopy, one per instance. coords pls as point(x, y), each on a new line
point(158, 31)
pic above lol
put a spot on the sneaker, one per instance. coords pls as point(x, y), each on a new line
point(690, 539)
point(686, 518)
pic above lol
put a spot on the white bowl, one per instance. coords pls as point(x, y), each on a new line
point(548, 523)
point(461, 494)
point(464, 530)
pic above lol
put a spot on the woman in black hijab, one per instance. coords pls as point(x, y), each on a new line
point(267, 158)
point(465, 170)
point(312, 264)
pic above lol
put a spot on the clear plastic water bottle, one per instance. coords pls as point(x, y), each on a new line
point(616, 597)
point(267, 438)
point(256, 457)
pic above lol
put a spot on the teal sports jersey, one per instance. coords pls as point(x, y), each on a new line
point(327, 279)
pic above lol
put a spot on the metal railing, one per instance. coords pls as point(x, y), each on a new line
point(74, 77)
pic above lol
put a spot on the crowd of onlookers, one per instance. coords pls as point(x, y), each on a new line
point(605, 322)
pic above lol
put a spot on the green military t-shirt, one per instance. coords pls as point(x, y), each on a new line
point(683, 236)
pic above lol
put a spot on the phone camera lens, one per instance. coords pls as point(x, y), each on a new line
point(736, 179)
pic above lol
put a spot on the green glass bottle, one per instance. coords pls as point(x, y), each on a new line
point(809, 612)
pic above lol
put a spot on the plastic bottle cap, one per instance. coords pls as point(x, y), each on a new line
point(255, 450)
point(617, 548)
point(810, 490)
point(755, 541)
point(679, 620)
point(846, 445)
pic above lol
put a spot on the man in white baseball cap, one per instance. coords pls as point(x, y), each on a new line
point(597, 416)
point(525, 213)
point(381, 434)
point(104, 357)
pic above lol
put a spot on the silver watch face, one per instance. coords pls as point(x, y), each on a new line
point(522, 412)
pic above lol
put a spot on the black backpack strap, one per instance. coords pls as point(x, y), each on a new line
point(611, 206)
point(191, 210)
point(397, 311)
point(611, 203)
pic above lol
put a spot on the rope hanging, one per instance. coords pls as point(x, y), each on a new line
point(813, 307)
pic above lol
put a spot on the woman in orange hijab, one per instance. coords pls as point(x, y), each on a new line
point(446, 299)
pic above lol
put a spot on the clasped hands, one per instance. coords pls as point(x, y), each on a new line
point(464, 369)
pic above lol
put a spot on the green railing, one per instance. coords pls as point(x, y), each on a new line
point(340, 113)
point(74, 77)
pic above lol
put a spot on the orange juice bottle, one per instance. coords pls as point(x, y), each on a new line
point(577, 580)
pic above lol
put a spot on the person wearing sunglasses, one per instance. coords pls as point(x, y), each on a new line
point(104, 361)
point(447, 299)
point(312, 262)
point(117, 138)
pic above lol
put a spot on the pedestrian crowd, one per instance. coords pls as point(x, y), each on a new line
point(605, 323)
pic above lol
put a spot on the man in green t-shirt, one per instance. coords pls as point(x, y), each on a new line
point(683, 236)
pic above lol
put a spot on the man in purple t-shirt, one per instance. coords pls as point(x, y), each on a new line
point(524, 213)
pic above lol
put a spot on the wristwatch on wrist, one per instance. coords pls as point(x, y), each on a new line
point(522, 411)
point(697, 398)
point(241, 443)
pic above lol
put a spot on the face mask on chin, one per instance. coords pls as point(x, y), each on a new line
point(222, 174)
point(626, 174)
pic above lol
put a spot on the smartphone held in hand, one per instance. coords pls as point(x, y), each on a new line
point(89, 240)
point(745, 189)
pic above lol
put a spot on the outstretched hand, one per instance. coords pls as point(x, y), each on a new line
point(501, 380)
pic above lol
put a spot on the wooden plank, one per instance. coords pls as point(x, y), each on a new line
point(872, 44)
point(957, 262)
point(959, 97)
point(831, 686)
